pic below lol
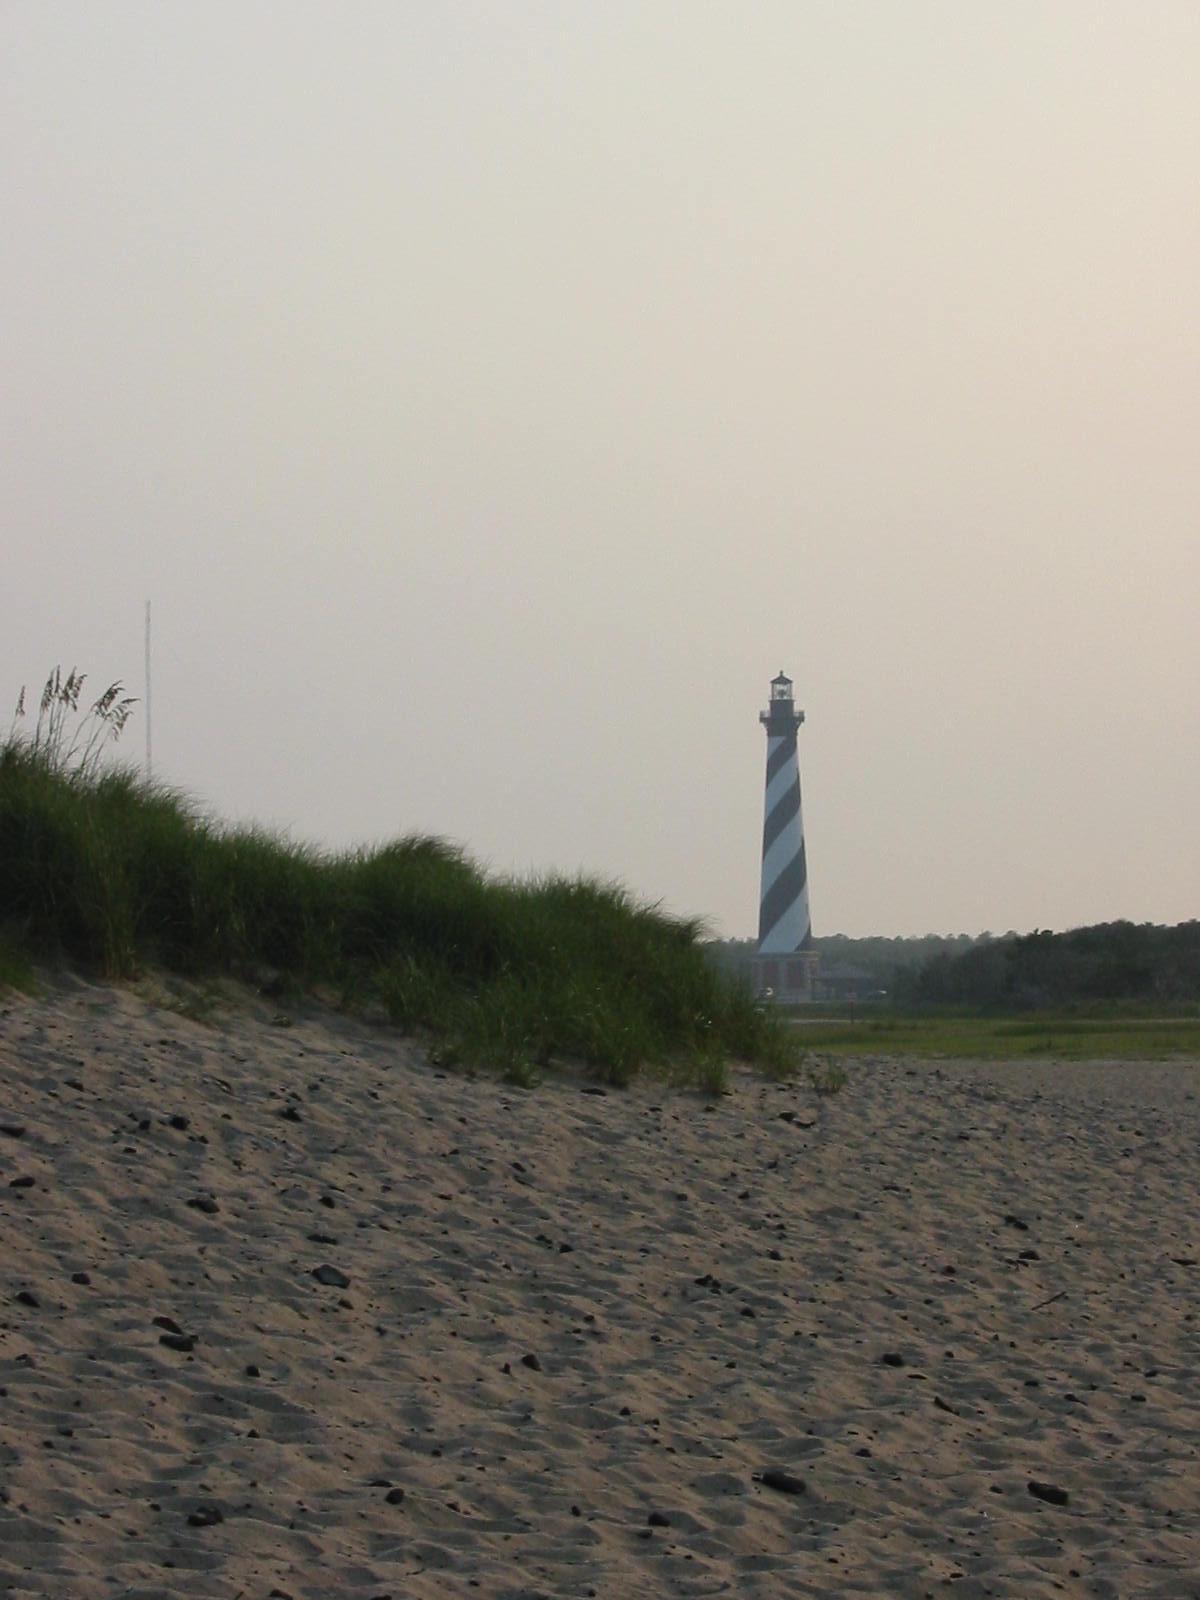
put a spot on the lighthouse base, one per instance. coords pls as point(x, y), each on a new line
point(787, 980)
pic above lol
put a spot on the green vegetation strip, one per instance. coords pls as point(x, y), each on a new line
point(103, 871)
point(1045, 1036)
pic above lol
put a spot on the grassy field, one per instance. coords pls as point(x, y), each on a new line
point(107, 873)
point(1030, 1036)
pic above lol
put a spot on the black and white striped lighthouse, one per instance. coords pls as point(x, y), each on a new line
point(785, 963)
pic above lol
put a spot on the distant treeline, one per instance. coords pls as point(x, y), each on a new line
point(1113, 961)
point(1138, 963)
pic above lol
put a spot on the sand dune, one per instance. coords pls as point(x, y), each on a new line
point(286, 1311)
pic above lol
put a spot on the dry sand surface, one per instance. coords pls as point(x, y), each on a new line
point(286, 1311)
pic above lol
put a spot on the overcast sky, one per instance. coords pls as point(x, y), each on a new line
point(492, 397)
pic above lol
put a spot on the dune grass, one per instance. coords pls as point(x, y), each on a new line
point(108, 873)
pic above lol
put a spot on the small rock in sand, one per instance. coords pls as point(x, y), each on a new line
point(1050, 1492)
point(784, 1482)
point(331, 1276)
point(183, 1342)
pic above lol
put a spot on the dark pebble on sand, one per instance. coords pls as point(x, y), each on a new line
point(1016, 1222)
point(183, 1342)
point(177, 1121)
point(892, 1358)
point(14, 1130)
point(205, 1203)
point(252, 1371)
point(657, 1519)
point(205, 1516)
point(80, 1277)
point(394, 1497)
point(25, 1182)
point(168, 1323)
point(532, 1362)
point(784, 1482)
point(290, 1114)
point(26, 1298)
point(331, 1276)
point(1049, 1492)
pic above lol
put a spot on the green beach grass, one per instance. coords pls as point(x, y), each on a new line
point(1029, 1036)
point(105, 872)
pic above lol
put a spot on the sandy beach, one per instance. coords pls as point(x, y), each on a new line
point(288, 1311)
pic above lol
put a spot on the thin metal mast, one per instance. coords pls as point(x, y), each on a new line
point(149, 748)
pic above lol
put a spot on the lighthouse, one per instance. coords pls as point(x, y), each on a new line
point(785, 962)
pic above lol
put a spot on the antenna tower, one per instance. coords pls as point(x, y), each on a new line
point(149, 747)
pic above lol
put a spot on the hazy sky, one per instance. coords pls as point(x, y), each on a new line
point(492, 397)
